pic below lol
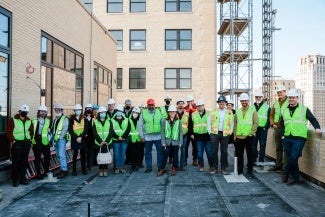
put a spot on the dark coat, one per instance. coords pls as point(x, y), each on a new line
point(74, 143)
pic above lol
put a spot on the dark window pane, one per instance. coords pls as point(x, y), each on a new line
point(58, 55)
point(137, 79)
point(4, 30)
point(79, 67)
point(119, 78)
point(4, 72)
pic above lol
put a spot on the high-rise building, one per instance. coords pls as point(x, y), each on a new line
point(165, 47)
point(310, 78)
point(287, 83)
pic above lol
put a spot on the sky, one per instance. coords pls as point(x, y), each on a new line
point(302, 33)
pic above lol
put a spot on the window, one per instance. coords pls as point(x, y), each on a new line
point(58, 55)
point(119, 77)
point(102, 84)
point(46, 50)
point(137, 5)
point(176, 78)
point(137, 78)
point(178, 39)
point(114, 6)
point(118, 36)
point(137, 39)
point(178, 5)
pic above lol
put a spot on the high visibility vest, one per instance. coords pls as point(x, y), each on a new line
point(244, 124)
point(172, 132)
point(120, 130)
point(262, 115)
point(78, 128)
point(59, 128)
point(279, 109)
point(297, 124)
point(163, 112)
point(200, 124)
point(44, 132)
point(152, 123)
point(227, 121)
point(185, 122)
point(134, 133)
point(102, 130)
point(21, 129)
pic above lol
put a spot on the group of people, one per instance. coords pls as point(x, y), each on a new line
point(132, 131)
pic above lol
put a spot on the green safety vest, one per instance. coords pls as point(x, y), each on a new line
point(228, 120)
point(244, 124)
point(119, 130)
point(59, 128)
point(200, 125)
point(163, 112)
point(44, 133)
point(185, 122)
point(279, 109)
point(297, 124)
point(102, 130)
point(262, 115)
point(21, 129)
point(134, 133)
point(172, 132)
point(78, 128)
point(153, 123)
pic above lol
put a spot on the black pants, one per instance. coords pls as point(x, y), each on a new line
point(90, 152)
point(165, 153)
point(19, 154)
point(217, 139)
point(194, 147)
point(82, 159)
point(240, 146)
point(38, 150)
point(136, 153)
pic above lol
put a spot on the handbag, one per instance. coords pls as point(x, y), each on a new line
point(104, 158)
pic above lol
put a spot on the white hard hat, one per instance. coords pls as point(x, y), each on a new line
point(42, 108)
point(89, 105)
point(293, 92)
point(180, 100)
point(136, 109)
point(280, 88)
point(77, 107)
point(119, 108)
point(189, 98)
point(141, 105)
point(128, 102)
point(172, 108)
point(24, 108)
point(230, 102)
point(58, 106)
point(111, 101)
point(200, 102)
point(102, 109)
point(168, 98)
point(259, 93)
point(243, 96)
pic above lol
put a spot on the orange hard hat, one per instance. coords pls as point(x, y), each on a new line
point(150, 101)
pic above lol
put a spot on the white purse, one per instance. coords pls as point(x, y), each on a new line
point(104, 158)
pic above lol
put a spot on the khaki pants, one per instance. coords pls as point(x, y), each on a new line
point(281, 157)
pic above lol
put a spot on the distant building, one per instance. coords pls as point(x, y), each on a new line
point(310, 78)
point(288, 83)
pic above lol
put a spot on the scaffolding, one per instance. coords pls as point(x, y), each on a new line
point(236, 47)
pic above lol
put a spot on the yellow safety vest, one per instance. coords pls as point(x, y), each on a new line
point(297, 124)
point(44, 132)
point(279, 109)
point(244, 124)
point(228, 120)
point(78, 128)
point(153, 123)
point(102, 130)
point(200, 125)
point(185, 122)
point(172, 132)
point(120, 130)
point(59, 128)
point(262, 115)
point(21, 129)
point(134, 133)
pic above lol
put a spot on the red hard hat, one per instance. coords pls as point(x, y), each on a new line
point(150, 101)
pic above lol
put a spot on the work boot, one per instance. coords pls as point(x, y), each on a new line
point(24, 182)
point(62, 174)
point(201, 167)
point(170, 160)
point(181, 169)
point(272, 169)
point(213, 170)
point(39, 176)
point(174, 169)
point(117, 170)
point(101, 173)
point(74, 173)
point(105, 172)
point(195, 162)
point(285, 178)
point(148, 170)
point(160, 172)
point(123, 170)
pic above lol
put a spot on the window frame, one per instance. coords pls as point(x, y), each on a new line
point(139, 79)
point(139, 40)
point(178, 5)
point(118, 40)
point(178, 39)
point(177, 78)
point(119, 78)
point(132, 2)
point(114, 2)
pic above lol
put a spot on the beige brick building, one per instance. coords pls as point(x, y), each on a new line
point(165, 48)
point(52, 52)
point(288, 83)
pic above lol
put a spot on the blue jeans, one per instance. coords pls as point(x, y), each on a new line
point(293, 149)
point(201, 147)
point(261, 136)
point(119, 153)
point(148, 153)
point(60, 149)
point(183, 149)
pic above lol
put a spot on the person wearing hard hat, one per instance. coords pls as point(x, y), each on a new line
point(111, 108)
point(220, 127)
point(136, 147)
point(78, 129)
point(128, 108)
point(164, 109)
point(171, 139)
point(245, 126)
point(95, 111)
point(59, 130)
point(198, 127)
point(231, 106)
point(102, 132)
point(295, 118)
point(150, 133)
point(41, 141)
point(89, 139)
point(184, 117)
point(276, 122)
point(19, 132)
point(121, 130)
point(190, 107)
point(263, 112)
